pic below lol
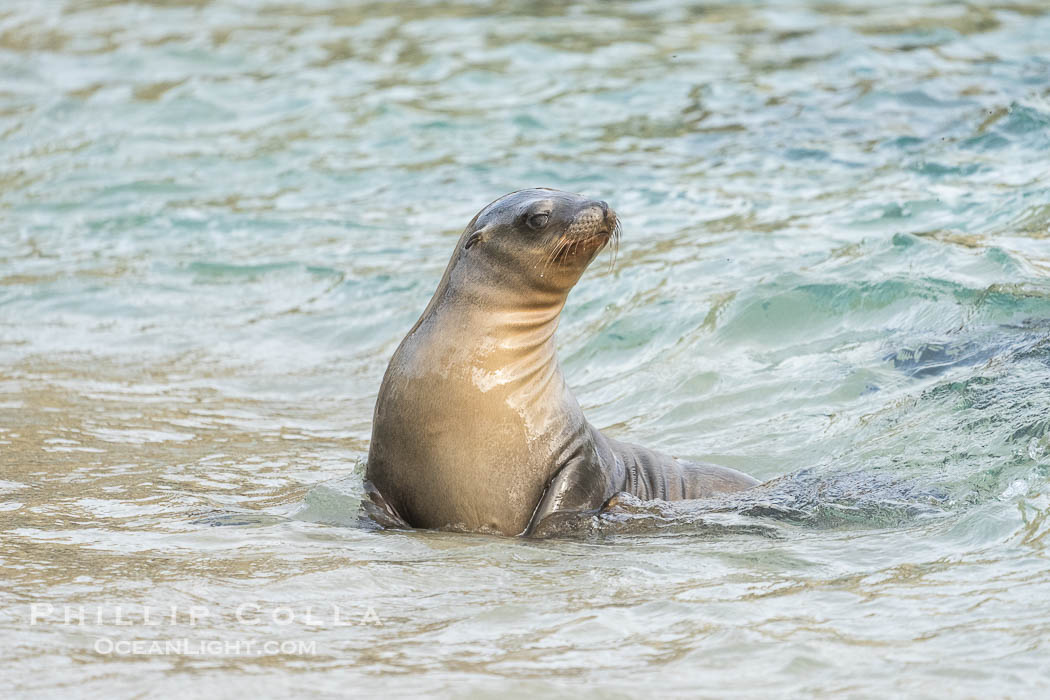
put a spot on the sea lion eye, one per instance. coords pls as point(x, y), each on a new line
point(538, 221)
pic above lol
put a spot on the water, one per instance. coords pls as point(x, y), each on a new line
point(218, 219)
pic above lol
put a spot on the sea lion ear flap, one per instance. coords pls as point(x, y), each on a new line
point(476, 237)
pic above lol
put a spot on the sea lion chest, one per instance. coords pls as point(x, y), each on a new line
point(468, 434)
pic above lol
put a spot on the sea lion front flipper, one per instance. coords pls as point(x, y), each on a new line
point(579, 488)
point(378, 510)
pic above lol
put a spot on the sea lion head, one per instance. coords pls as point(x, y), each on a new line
point(537, 239)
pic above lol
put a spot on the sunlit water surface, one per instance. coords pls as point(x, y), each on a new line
point(218, 219)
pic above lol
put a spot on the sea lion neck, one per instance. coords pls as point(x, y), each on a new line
point(499, 297)
point(498, 309)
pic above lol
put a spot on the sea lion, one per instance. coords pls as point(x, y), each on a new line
point(475, 428)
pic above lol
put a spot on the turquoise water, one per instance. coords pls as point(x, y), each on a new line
point(218, 219)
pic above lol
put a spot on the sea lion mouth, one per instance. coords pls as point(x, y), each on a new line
point(589, 233)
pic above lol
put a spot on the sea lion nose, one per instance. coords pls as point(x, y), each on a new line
point(605, 208)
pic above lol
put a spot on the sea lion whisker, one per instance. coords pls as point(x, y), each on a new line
point(548, 250)
point(615, 239)
point(556, 249)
